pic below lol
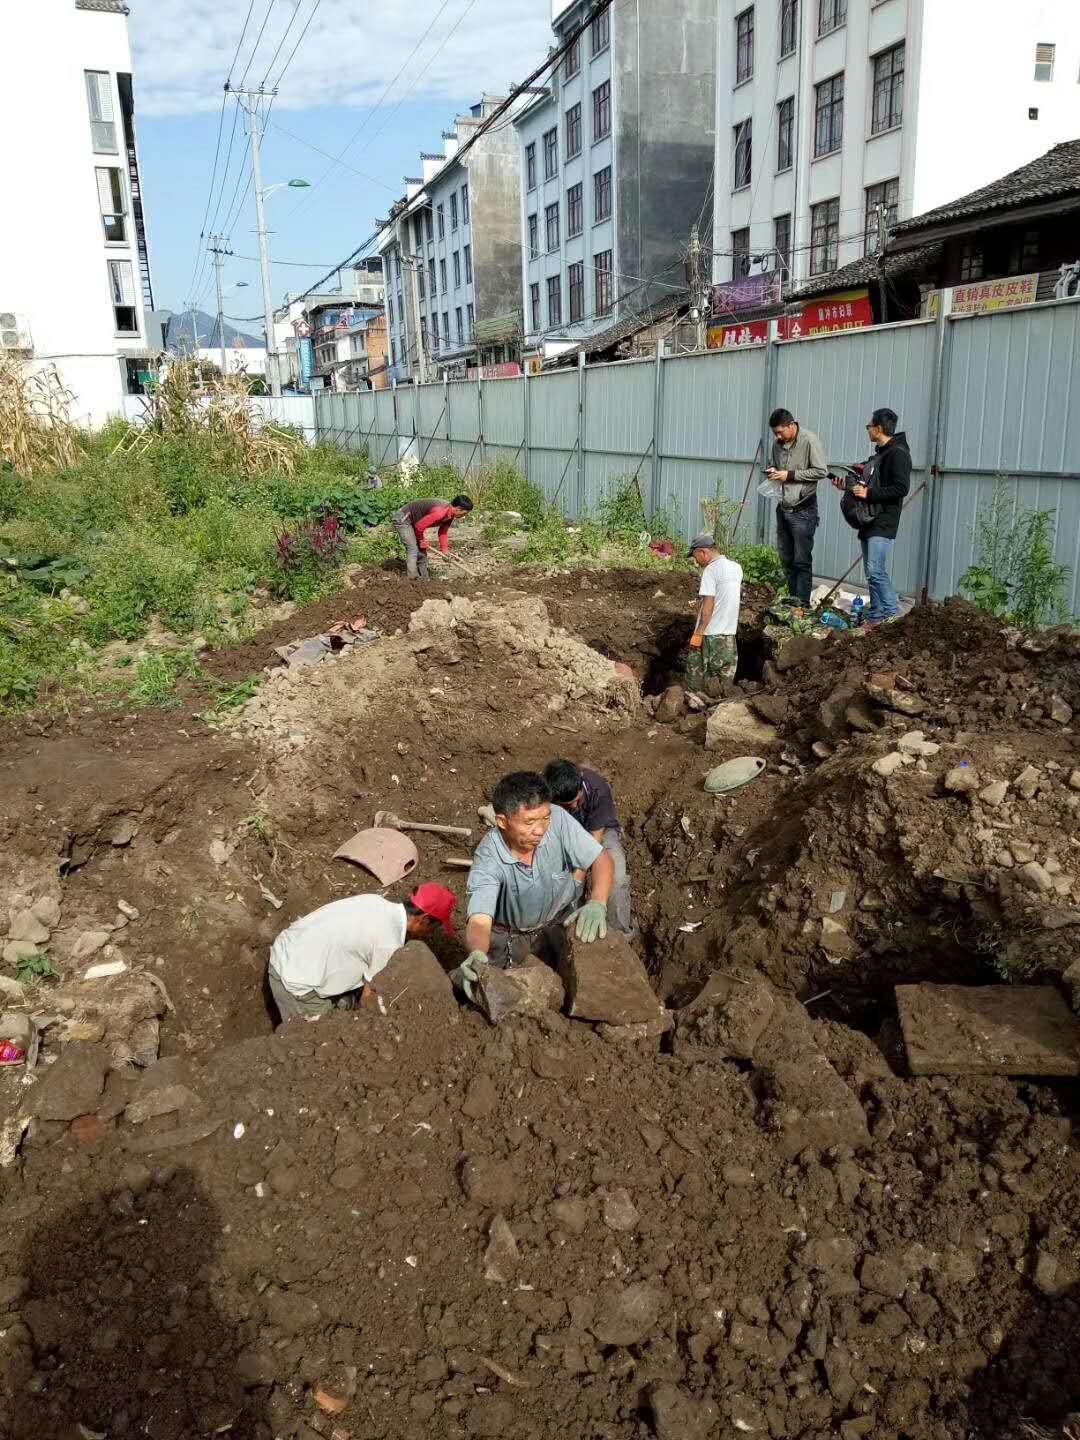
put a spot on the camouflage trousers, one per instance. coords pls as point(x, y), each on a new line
point(716, 659)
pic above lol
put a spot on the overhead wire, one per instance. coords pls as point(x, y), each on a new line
point(378, 103)
point(296, 47)
point(281, 42)
point(258, 42)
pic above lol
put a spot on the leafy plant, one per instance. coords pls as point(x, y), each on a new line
point(306, 556)
point(36, 967)
point(760, 564)
point(157, 674)
point(1015, 573)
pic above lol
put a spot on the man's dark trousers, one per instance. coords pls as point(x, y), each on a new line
point(795, 542)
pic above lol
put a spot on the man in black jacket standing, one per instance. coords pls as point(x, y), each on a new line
point(886, 480)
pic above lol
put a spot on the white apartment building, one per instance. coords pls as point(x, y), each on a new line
point(827, 110)
point(74, 269)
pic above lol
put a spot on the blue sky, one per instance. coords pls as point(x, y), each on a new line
point(344, 78)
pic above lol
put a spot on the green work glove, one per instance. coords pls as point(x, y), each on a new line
point(465, 977)
point(590, 922)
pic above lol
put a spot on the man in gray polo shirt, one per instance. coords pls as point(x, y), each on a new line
point(522, 889)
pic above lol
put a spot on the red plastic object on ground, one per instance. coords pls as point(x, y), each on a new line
point(11, 1054)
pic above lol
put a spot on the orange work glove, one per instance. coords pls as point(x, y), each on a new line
point(695, 641)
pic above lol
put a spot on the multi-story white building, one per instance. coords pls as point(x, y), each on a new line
point(828, 110)
point(74, 269)
point(451, 252)
point(615, 159)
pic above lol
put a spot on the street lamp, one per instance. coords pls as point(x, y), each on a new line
point(264, 254)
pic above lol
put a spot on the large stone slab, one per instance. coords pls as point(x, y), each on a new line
point(736, 721)
point(522, 990)
point(413, 979)
point(988, 1030)
point(73, 1085)
point(605, 981)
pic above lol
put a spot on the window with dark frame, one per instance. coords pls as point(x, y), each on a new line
point(887, 194)
point(971, 261)
point(601, 111)
point(390, 310)
point(603, 277)
point(744, 148)
point(534, 237)
point(420, 281)
point(460, 320)
point(782, 244)
point(110, 185)
point(573, 131)
point(572, 59)
point(829, 116)
point(457, 269)
point(446, 327)
point(824, 237)
point(418, 231)
point(530, 167)
point(575, 211)
point(744, 45)
point(468, 264)
point(785, 134)
point(575, 284)
point(453, 211)
point(99, 95)
point(789, 27)
point(551, 226)
point(740, 254)
point(888, 109)
point(551, 154)
point(601, 32)
point(534, 305)
point(442, 277)
point(441, 213)
point(465, 204)
point(427, 225)
point(431, 273)
point(554, 299)
point(469, 316)
point(602, 195)
point(1024, 253)
point(122, 286)
point(831, 15)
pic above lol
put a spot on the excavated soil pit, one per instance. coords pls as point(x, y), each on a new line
point(756, 1225)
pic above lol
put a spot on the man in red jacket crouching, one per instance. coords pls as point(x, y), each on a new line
point(413, 519)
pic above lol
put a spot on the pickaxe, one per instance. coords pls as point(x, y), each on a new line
point(394, 822)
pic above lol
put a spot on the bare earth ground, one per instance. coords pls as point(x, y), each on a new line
point(810, 1244)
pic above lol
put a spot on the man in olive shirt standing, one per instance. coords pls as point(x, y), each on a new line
point(798, 463)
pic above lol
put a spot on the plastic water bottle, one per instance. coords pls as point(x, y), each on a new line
point(856, 610)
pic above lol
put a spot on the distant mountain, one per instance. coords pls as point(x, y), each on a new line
point(176, 327)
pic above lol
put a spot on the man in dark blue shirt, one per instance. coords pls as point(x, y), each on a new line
point(588, 797)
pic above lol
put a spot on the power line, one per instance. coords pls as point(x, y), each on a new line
point(258, 42)
point(318, 151)
point(378, 104)
point(239, 43)
point(296, 47)
point(298, 264)
point(284, 37)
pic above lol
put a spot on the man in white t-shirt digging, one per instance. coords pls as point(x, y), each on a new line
point(324, 959)
point(713, 655)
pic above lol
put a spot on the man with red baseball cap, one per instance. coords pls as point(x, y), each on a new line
point(323, 959)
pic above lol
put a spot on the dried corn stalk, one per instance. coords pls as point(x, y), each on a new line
point(186, 402)
point(36, 433)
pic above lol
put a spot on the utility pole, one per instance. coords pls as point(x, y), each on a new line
point(219, 250)
point(698, 288)
point(250, 100)
point(194, 328)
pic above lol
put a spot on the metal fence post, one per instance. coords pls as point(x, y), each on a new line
point(397, 432)
point(937, 430)
point(581, 435)
point(480, 413)
point(526, 406)
point(658, 415)
point(768, 398)
point(446, 410)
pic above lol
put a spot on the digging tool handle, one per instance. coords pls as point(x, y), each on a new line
point(458, 830)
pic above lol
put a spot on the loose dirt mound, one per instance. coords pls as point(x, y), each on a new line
point(532, 1231)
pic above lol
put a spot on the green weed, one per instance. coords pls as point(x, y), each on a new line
point(1015, 574)
point(36, 967)
point(156, 676)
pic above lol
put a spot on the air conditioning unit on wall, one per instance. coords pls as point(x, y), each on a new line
point(15, 334)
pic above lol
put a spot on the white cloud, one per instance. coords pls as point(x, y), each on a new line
point(184, 48)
